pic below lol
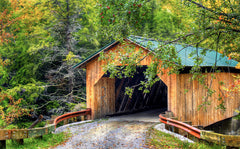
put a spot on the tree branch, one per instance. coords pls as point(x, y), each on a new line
point(234, 30)
point(232, 15)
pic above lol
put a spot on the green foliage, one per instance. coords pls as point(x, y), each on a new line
point(28, 91)
point(87, 35)
point(129, 91)
point(10, 110)
point(166, 24)
point(3, 71)
point(52, 105)
point(4, 4)
point(120, 18)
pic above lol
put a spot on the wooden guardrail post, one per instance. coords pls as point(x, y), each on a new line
point(184, 133)
point(175, 129)
point(20, 141)
point(52, 118)
point(65, 122)
point(168, 114)
point(192, 137)
point(35, 123)
point(198, 127)
point(82, 118)
point(4, 135)
point(18, 135)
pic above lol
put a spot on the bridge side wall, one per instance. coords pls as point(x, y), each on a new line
point(192, 94)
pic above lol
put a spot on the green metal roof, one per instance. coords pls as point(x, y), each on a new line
point(183, 53)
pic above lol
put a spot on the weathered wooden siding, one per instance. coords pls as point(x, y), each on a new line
point(190, 94)
point(104, 91)
point(93, 75)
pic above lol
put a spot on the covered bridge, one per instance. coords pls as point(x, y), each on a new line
point(176, 92)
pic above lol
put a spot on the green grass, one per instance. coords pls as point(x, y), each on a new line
point(157, 139)
point(49, 140)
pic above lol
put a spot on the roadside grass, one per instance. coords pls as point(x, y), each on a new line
point(48, 141)
point(158, 140)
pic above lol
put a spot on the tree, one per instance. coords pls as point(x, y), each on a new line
point(10, 108)
point(72, 22)
point(20, 51)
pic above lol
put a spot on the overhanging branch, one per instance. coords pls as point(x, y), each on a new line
point(231, 15)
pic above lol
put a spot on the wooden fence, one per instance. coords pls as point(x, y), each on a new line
point(20, 134)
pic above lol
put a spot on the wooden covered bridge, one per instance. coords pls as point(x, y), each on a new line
point(175, 92)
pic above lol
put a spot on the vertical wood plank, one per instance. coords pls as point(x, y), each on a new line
point(195, 98)
point(181, 100)
point(188, 97)
point(173, 93)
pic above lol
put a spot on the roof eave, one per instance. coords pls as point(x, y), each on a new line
point(84, 62)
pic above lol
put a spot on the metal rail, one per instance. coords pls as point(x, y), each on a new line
point(71, 115)
point(188, 128)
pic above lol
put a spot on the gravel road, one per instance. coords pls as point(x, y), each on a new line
point(107, 134)
point(122, 132)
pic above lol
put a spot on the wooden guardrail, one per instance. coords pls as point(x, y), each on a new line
point(20, 134)
point(209, 136)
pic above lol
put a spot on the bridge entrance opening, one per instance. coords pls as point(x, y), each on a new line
point(155, 99)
